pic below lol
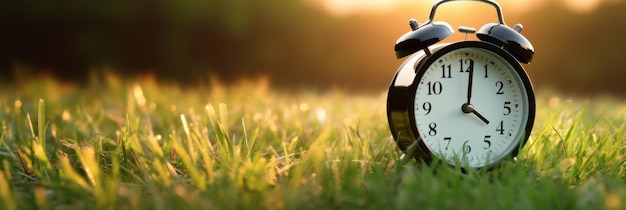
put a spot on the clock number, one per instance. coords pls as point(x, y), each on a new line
point(486, 76)
point(500, 86)
point(448, 140)
point(427, 107)
point(507, 108)
point(443, 71)
point(466, 148)
point(432, 127)
point(488, 141)
point(434, 88)
point(469, 68)
point(501, 128)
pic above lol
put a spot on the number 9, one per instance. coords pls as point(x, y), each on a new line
point(427, 107)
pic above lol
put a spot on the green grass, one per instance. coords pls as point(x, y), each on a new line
point(144, 145)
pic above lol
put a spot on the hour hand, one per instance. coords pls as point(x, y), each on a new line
point(468, 108)
point(481, 117)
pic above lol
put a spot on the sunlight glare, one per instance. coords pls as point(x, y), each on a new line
point(582, 6)
point(344, 7)
point(520, 6)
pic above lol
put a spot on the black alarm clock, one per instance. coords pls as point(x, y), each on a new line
point(468, 103)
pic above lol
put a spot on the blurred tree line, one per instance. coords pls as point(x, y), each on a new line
point(292, 42)
point(175, 39)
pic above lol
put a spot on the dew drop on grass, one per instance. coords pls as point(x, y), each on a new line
point(66, 116)
point(554, 102)
point(18, 104)
point(138, 93)
point(304, 107)
point(321, 115)
point(257, 117)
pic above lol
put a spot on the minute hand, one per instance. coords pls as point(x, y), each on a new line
point(469, 84)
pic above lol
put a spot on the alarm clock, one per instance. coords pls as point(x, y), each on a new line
point(468, 103)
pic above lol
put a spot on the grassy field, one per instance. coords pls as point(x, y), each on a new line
point(144, 145)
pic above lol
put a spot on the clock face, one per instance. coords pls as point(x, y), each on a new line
point(472, 106)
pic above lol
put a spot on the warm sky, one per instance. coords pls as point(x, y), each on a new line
point(343, 7)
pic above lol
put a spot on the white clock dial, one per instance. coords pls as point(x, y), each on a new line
point(471, 106)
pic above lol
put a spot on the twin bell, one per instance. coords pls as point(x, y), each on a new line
point(424, 35)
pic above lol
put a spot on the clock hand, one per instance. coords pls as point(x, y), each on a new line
point(469, 85)
point(468, 108)
point(481, 117)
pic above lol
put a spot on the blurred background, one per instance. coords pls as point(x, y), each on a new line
point(579, 44)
